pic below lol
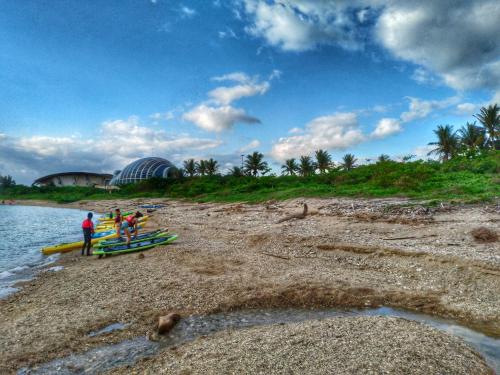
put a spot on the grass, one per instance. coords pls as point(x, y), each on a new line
point(458, 180)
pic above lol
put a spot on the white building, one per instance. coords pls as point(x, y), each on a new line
point(74, 179)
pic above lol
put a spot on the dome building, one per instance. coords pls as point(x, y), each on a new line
point(143, 169)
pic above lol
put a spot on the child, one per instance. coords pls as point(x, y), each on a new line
point(88, 231)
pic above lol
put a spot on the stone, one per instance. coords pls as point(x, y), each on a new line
point(167, 322)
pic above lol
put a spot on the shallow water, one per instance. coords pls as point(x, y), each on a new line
point(24, 232)
point(128, 352)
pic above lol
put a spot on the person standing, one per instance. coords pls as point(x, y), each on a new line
point(88, 231)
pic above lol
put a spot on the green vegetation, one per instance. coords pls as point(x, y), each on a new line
point(468, 171)
point(461, 179)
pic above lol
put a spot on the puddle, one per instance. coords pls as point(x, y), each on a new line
point(108, 329)
point(128, 352)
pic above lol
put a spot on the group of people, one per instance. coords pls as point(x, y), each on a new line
point(126, 224)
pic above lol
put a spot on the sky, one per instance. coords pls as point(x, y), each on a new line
point(93, 85)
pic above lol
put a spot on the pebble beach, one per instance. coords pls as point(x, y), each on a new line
point(347, 253)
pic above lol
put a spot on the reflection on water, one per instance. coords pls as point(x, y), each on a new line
point(128, 352)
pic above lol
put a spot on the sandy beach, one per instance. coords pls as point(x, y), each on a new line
point(345, 253)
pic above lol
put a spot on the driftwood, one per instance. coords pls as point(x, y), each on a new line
point(302, 215)
point(276, 256)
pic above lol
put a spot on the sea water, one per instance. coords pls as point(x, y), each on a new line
point(24, 230)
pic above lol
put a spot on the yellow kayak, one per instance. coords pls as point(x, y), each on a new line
point(105, 227)
point(66, 247)
point(112, 221)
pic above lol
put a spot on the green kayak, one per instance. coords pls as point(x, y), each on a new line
point(140, 237)
point(145, 244)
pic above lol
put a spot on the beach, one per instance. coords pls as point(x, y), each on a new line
point(345, 253)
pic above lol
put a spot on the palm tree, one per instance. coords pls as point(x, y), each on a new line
point(490, 119)
point(190, 167)
point(306, 166)
point(236, 172)
point(348, 162)
point(201, 167)
point(212, 166)
point(255, 164)
point(290, 167)
point(383, 158)
point(472, 136)
point(323, 160)
point(447, 143)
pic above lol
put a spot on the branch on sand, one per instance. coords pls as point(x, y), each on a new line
point(302, 215)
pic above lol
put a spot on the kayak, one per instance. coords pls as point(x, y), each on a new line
point(137, 246)
point(65, 247)
point(152, 206)
point(112, 221)
point(103, 227)
point(112, 217)
point(139, 238)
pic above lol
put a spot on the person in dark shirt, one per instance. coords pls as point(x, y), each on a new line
point(88, 231)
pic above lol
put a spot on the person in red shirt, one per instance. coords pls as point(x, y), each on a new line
point(130, 222)
point(88, 231)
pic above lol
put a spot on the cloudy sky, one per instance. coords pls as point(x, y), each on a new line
point(93, 85)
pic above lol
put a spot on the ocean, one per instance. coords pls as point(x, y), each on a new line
point(24, 231)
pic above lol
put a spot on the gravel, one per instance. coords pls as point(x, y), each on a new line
point(236, 256)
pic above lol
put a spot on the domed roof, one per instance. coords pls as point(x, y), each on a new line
point(143, 169)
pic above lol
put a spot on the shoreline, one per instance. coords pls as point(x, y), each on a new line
point(236, 256)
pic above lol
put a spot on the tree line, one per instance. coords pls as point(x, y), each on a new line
point(469, 140)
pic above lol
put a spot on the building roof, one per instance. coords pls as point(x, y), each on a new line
point(48, 177)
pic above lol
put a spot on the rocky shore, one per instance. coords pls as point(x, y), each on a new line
point(344, 252)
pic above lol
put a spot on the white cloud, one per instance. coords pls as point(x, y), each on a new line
point(236, 76)
point(456, 39)
point(187, 12)
point(120, 142)
point(253, 145)
point(337, 131)
point(422, 152)
point(455, 42)
point(419, 108)
point(227, 95)
point(424, 77)
point(217, 119)
point(386, 127)
point(295, 130)
point(158, 116)
point(467, 109)
point(301, 25)
point(228, 33)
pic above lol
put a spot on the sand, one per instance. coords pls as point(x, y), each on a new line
point(350, 253)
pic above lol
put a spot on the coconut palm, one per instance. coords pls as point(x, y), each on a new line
point(447, 143)
point(348, 162)
point(489, 117)
point(323, 160)
point(255, 164)
point(7, 181)
point(212, 166)
point(306, 166)
point(201, 167)
point(190, 167)
point(472, 136)
point(290, 167)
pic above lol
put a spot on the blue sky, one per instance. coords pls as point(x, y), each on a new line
point(94, 85)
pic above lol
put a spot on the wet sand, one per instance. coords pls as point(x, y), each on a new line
point(346, 252)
